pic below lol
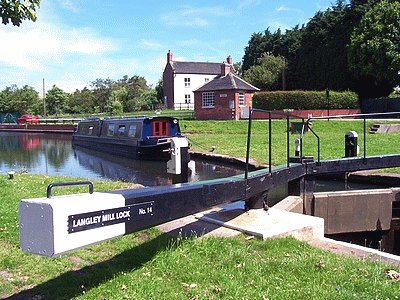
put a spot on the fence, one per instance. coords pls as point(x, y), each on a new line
point(183, 106)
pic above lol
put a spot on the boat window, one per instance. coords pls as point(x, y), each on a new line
point(111, 128)
point(121, 130)
point(90, 130)
point(132, 130)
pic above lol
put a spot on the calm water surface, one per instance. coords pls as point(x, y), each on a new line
point(52, 154)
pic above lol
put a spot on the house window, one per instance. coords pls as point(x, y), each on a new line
point(187, 98)
point(206, 80)
point(241, 99)
point(187, 82)
point(208, 99)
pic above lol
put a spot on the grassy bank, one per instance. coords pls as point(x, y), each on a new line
point(229, 137)
point(152, 265)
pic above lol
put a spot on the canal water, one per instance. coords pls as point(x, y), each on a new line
point(53, 154)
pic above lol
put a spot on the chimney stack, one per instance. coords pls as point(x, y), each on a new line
point(169, 56)
point(225, 69)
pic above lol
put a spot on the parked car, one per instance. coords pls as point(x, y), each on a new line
point(27, 118)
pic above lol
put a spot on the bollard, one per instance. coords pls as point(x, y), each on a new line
point(350, 144)
point(297, 144)
point(178, 164)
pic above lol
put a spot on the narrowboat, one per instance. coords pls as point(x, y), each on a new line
point(146, 138)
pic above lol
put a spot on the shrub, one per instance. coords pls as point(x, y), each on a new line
point(305, 100)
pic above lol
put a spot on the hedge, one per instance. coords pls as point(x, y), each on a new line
point(305, 100)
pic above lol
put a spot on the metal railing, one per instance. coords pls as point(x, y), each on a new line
point(306, 125)
point(364, 117)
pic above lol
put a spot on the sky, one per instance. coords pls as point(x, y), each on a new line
point(74, 42)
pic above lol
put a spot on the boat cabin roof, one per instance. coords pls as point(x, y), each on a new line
point(127, 119)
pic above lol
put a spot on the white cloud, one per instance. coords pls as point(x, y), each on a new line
point(189, 43)
point(150, 44)
point(35, 46)
point(68, 5)
point(282, 8)
point(247, 3)
point(154, 69)
point(189, 16)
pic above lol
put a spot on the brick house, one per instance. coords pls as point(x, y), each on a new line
point(180, 78)
point(227, 97)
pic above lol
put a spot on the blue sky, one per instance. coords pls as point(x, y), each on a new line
point(73, 42)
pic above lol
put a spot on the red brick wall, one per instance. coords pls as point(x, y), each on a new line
point(307, 113)
point(221, 109)
point(168, 85)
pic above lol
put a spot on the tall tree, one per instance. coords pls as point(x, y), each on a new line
point(56, 99)
point(374, 50)
point(80, 102)
point(115, 101)
point(19, 100)
point(15, 11)
point(101, 92)
point(159, 89)
point(266, 75)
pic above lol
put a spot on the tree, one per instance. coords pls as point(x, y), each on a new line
point(15, 11)
point(19, 100)
point(101, 92)
point(56, 100)
point(159, 90)
point(267, 73)
point(80, 102)
point(374, 50)
point(114, 103)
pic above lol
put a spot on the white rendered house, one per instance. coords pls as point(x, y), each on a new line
point(180, 79)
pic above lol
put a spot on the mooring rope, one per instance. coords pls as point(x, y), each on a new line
point(201, 145)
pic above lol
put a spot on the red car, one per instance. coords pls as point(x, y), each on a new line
point(27, 118)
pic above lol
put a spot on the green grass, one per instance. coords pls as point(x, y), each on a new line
point(152, 265)
point(229, 137)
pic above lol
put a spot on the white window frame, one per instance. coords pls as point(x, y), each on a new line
point(186, 82)
point(242, 99)
point(208, 99)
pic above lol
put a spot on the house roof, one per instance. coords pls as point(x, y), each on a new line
point(183, 67)
point(228, 82)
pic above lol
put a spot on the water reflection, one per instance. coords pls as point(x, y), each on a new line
point(52, 154)
point(29, 150)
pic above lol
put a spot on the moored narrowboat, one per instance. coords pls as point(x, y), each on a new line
point(146, 138)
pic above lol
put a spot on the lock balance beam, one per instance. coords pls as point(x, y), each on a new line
point(55, 225)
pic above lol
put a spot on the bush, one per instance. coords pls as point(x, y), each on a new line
point(300, 100)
